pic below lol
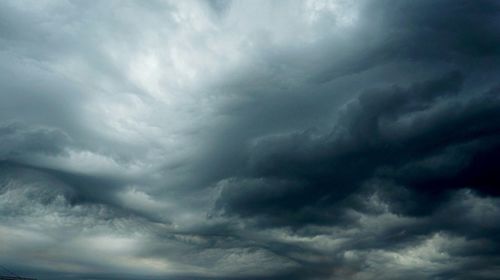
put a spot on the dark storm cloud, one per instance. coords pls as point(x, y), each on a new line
point(250, 140)
point(18, 139)
point(413, 145)
point(455, 33)
point(430, 137)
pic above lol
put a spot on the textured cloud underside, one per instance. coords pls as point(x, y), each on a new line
point(250, 139)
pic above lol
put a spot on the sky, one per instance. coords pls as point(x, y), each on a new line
point(307, 140)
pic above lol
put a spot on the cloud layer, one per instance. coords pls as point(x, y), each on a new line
point(250, 139)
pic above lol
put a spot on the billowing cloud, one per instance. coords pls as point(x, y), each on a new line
point(250, 139)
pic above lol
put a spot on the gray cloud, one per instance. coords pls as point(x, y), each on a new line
point(250, 139)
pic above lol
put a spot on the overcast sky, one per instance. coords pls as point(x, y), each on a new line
point(308, 140)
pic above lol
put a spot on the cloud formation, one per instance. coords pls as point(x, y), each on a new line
point(250, 139)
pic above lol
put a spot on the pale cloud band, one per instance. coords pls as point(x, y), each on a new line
point(250, 139)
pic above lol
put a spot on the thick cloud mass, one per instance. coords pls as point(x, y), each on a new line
point(250, 139)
